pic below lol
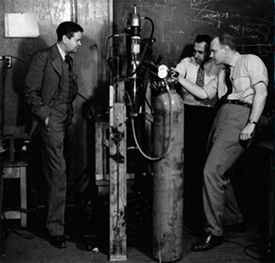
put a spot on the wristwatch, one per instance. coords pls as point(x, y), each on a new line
point(252, 122)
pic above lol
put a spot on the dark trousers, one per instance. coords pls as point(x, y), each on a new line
point(54, 169)
point(197, 125)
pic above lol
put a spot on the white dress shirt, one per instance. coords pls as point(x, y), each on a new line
point(188, 68)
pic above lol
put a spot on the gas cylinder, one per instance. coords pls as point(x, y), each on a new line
point(168, 177)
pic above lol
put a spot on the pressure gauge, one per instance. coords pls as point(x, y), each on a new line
point(162, 71)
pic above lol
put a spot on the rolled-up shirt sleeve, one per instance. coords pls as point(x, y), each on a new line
point(211, 88)
point(248, 72)
point(256, 70)
point(182, 66)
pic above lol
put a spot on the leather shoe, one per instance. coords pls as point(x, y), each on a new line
point(58, 241)
point(207, 243)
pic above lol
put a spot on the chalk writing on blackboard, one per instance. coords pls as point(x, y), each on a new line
point(177, 22)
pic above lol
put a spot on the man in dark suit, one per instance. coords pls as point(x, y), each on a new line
point(50, 89)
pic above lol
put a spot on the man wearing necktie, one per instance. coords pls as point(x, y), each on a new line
point(198, 118)
point(231, 133)
point(50, 89)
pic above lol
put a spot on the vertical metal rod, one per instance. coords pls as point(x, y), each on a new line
point(74, 11)
point(2, 102)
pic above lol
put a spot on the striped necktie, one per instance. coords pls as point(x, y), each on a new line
point(200, 76)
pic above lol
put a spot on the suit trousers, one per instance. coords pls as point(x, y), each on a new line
point(220, 205)
point(54, 168)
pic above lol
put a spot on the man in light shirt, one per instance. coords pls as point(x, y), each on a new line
point(231, 133)
point(198, 118)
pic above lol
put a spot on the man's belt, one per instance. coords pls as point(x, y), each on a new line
point(237, 102)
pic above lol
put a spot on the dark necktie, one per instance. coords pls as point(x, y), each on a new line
point(200, 76)
point(228, 84)
point(69, 61)
point(72, 79)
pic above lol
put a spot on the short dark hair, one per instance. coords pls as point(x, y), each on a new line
point(207, 39)
point(226, 39)
point(203, 38)
point(67, 28)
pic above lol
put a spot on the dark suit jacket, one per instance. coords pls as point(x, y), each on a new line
point(42, 84)
point(43, 81)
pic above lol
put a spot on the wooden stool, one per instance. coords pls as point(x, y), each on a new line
point(17, 170)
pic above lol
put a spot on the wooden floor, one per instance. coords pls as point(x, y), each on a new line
point(21, 245)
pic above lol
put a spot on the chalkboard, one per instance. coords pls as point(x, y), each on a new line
point(177, 22)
